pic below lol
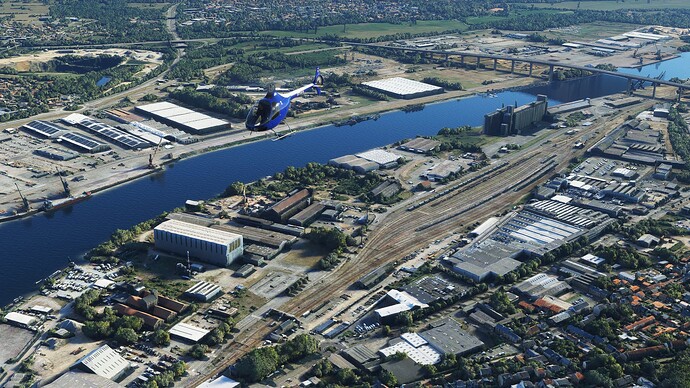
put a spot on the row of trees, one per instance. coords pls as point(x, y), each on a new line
point(260, 362)
point(443, 83)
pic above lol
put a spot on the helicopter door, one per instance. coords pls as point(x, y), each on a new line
point(263, 112)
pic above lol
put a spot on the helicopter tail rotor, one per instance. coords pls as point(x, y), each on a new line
point(318, 81)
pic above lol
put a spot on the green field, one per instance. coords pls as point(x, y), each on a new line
point(607, 5)
point(513, 15)
point(25, 11)
point(591, 31)
point(373, 30)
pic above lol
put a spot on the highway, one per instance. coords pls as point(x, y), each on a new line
point(540, 62)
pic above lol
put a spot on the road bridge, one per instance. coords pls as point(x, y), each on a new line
point(446, 55)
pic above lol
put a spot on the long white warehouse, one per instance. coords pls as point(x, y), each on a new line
point(213, 246)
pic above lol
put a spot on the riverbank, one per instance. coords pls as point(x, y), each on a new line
point(101, 178)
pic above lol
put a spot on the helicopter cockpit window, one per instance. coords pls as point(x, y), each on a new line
point(263, 110)
point(275, 109)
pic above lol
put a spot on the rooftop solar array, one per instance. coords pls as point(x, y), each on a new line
point(44, 128)
point(186, 118)
point(83, 142)
point(116, 135)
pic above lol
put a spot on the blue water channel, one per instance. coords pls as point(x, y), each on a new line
point(34, 248)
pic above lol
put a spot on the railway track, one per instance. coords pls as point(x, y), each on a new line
point(398, 236)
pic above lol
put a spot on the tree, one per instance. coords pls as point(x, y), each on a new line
point(198, 351)
point(179, 368)
point(387, 378)
point(126, 336)
point(161, 338)
point(257, 364)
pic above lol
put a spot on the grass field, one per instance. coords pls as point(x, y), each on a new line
point(25, 12)
point(606, 5)
point(513, 15)
point(591, 31)
point(372, 30)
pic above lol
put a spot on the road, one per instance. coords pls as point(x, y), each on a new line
point(400, 232)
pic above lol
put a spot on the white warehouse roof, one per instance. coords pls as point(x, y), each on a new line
point(19, 318)
point(197, 231)
point(104, 362)
point(188, 332)
point(402, 86)
point(379, 156)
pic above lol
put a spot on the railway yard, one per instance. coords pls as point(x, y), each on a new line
point(551, 239)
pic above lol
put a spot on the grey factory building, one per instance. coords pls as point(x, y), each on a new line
point(213, 246)
point(420, 145)
point(511, 120)
point(203, 291)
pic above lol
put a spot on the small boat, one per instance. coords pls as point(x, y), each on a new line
point(283, 136)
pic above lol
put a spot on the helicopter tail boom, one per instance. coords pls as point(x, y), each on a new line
point(316, 84)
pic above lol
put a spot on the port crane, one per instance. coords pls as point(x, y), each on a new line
point(25, 202)
point(153, 155)
point(65, 185)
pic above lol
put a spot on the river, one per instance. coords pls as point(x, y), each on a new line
point(34, 248)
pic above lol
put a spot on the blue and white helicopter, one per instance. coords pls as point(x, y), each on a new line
point(271, 110)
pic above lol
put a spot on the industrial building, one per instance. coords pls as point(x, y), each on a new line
point(352, 162)
point(44, 129)
point(188, 332)
point(21, 320)
point(112, 134)
point(104, 362)
point(540, 285)
point(404, 88)
point(442, 170)
point(485, 226)
point(512, 120)
point(420, 145)
point(251, 235)
point(268, 225)
point(635, 142)
point(308, 215)
point(213, 246)
point(383, 158)
point(83, 143)
point(386, 189)
point(77, 379)
point(396, 302)
point(56, 153)
point(372, 278)
point(203, 291)
point(485, 260)
point(282, 210)
point(428, 347)
point(150, 322)
point(183, 118)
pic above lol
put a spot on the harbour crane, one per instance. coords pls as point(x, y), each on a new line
point(65, 185)
point(25, 202)
point(153, 155)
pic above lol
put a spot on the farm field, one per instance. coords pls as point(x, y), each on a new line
point(608, 5)
point(373, 30)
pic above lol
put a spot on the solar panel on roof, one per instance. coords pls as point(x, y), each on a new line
point(114, 134)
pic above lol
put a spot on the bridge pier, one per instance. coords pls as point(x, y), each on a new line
point(495, 63)
point(629, 90)
point(530, 68)
point(680, 92)
point(478, 59)
point(512, 67)
point(550, 73)
point(654, 90)
point(462, 61)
